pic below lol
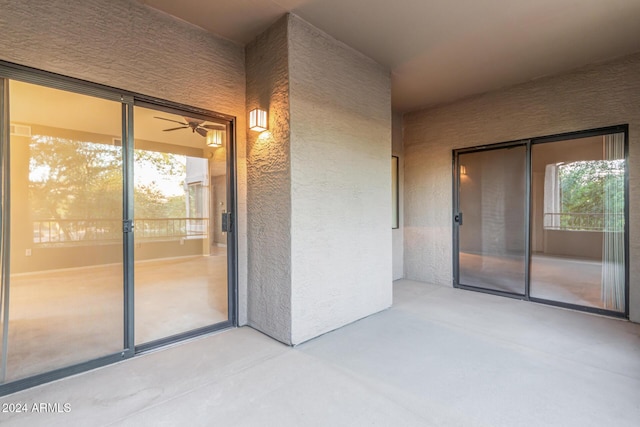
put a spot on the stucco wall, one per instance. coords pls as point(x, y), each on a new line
point(123, 44)
point(319, 183)
point(269, 185)
point(341, 183)
point(592, 97)
point(397, 235)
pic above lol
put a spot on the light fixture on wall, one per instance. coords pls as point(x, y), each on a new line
point(258, 120)
point(214, 138)
point(463, 170)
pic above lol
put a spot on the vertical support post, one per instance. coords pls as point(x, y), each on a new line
point(127, 217)
point(627, 278)
point(455, 197)
point(527, 221)
point(232, 237)
point(5, 134)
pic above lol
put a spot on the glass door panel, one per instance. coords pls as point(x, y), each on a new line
point(578, 222)
point(65, 282)
point(491, 236)
point(180, 250)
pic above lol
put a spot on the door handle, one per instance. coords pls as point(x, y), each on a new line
point(458, 218)
point(227, 222)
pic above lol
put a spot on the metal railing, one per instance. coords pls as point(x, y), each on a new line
point(155, 228)
point(72, 231)
point(584, 221)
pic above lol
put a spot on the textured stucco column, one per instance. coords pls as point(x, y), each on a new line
point(319, 184)
point(269, 186)
point(341, 183)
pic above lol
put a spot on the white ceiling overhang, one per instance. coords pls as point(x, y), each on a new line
point(443, 50)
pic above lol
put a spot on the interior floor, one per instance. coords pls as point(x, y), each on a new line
point(59, 318)
point(439, 357)
point(501, 273)
point(569, 280)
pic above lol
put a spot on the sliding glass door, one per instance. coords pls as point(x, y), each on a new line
point(491, 218)
point(546, 220)
point(578, 222)
point(117, 234)
point(180, 247)
point(63, 285)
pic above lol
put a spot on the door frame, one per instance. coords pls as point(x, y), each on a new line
point(11, 71)
point(456, 210)
point(622, 128)
point(196, 113)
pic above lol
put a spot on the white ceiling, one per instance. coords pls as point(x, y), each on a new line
point(443, 50)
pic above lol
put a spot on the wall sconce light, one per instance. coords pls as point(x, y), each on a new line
point(258, 120)
point(214, 138)
point(463, 170)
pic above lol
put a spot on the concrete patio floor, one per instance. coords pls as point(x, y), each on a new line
point(439, 357)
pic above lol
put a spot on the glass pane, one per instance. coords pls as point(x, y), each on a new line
point(180, 249)
point(578, 222)
point(492, 236)
point(66, 272)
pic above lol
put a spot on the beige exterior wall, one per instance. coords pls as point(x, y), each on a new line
point(595, 96)
point(123, 44)
point(319, 184)
point(340, 183)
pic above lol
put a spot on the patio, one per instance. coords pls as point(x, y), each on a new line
point(440, 356)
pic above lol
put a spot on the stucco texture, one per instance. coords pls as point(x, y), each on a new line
point(124, 44)
point(319, 184)
point(340, 103)
point(269, 185)
point(592, 97)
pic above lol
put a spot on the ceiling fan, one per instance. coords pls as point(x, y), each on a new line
point(194, 124)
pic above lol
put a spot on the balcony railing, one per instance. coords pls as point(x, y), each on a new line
point(584, 221)
point(74, 231)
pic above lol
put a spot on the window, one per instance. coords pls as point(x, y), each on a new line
point(74, 189)
point(580, 195)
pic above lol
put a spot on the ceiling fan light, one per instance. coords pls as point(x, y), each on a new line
point(258, 120)
point(214, 138)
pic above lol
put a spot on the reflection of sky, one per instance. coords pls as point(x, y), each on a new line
point(38, 173)
point(146, 174)
point(593, 168)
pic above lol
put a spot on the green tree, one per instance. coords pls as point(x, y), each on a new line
point(589, 189)
point(82, 181)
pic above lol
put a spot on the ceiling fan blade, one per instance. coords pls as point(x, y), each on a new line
point(170, 120)
point(181, 127)
point(193, 122)
point(201, 131)
point(212, 126)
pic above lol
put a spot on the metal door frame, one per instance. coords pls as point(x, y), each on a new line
point(10, 71)
point(456, 211)
point(624, 128)
point(196, 113)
